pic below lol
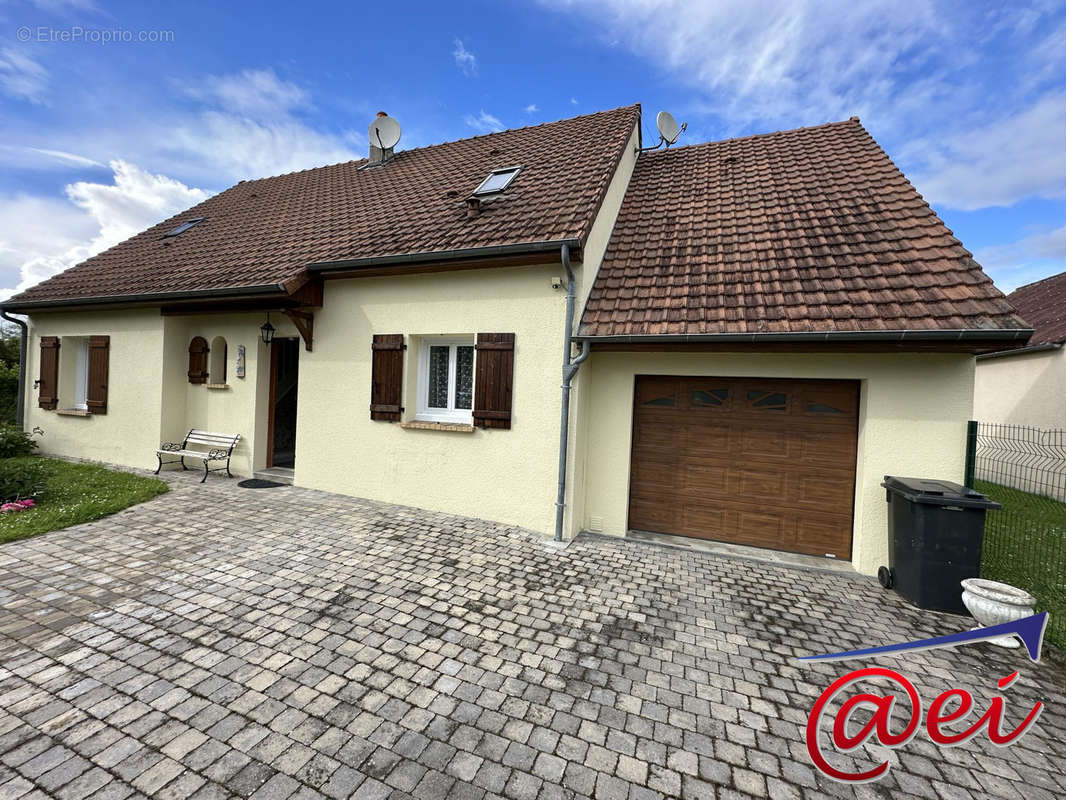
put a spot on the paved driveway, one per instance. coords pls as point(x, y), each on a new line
point(289, 643)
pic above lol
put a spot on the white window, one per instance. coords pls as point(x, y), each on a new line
point(446, 380)
point(497, 181)
point(81, 376)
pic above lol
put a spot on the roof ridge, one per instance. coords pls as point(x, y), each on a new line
point(750, 136)
point(635, 106)
point(1037, 283)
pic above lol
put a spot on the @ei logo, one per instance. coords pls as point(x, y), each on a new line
point(937, 718)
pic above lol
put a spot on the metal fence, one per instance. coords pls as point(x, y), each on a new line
point(1024, 468)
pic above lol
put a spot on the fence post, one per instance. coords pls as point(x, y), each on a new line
point(971, 452)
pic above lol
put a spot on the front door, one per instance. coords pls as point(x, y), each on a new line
point(284, 373)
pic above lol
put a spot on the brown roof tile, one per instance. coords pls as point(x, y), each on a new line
point(811, 230)
point(267, 231)
point(1043, 305)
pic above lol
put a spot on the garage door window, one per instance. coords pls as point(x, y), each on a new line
point(822, 408)
point(768, 401)
point(711, 398)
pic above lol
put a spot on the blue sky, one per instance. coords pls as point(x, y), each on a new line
point(100, 138)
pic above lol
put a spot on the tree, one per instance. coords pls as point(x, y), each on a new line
point(10, 345)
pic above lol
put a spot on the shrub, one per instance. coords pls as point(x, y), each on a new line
point(22, 478)
point(15, 442)
point(9, 391)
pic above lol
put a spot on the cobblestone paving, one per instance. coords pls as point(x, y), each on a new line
point(281, 643)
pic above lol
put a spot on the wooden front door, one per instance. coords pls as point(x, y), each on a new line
point(763, 462)
point(284, 381)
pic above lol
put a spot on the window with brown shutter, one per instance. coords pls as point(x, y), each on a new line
point(99, 356)
point(198, 360)
point(386, 391)
point(48, 387)
point(494, 375)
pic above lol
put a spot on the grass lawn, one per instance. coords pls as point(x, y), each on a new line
point(1025, 546)
point(77, 493)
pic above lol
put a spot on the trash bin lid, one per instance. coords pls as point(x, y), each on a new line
point(934, 492)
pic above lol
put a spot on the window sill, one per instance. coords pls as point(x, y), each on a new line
point(451, 427)
point(73, 412)
point(216, 385)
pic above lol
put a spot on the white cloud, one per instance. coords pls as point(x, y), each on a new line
point(21, 77)
point(251, 92)
point(573, 101)
point(804, 61)
point(464, 59)
point(483, 122)
point(1025, 260)
point(930, 78)
point(532, 108)
point(42, 236)
point(228, 147)
point(1000, 163)
point(247, 125)
point(23, 156)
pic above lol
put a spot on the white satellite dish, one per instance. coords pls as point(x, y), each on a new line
point(667, 126)
point(384, 132)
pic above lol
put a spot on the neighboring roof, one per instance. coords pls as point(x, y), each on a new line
point(266, 232)
point(807, 231)
point(1043, 305)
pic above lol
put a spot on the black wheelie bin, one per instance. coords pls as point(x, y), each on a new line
point(936, 530)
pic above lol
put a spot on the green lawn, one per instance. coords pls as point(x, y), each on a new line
point(1025, 546)
point(78, 493)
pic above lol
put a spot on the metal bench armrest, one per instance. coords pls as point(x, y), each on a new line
point(170, 446)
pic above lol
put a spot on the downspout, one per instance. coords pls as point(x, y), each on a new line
point(570, 366)
point(20, 404)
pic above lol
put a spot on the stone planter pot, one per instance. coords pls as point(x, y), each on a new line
point(993, 603)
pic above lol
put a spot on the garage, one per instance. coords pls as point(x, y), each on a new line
point(752, 461)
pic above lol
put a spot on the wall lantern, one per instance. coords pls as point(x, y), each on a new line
point(266, 330)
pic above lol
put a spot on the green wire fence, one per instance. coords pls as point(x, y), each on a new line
point(1024, 468)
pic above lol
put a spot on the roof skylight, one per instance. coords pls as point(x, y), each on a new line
point(178, 231)
point(498, 180)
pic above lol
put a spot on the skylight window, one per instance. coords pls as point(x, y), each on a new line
point(178, 231)
point(498, 180)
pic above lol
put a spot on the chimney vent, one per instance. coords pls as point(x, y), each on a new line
point(473, 206)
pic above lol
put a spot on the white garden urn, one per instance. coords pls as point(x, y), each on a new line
point(992, 603)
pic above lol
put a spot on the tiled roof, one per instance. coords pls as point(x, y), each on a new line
point(811, 230)
point(1043, 305)
point(268, 231)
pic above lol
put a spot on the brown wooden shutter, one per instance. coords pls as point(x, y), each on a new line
point(99, 355)
point(494, 374)
point(198, 360)
point(386, 391)
point(48, 387)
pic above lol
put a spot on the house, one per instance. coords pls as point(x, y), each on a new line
point(1026, 385)
point(759, 330)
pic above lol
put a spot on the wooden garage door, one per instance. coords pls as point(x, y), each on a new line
point(769, 463)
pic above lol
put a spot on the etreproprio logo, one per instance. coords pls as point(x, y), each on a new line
point(1030, 630)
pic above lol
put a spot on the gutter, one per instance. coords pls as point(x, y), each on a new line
point(1035, 348)
point(20, 404)
point(570, 367)
point(955, 335)
point(320, 267)
point(490, 251)
point(148, 297)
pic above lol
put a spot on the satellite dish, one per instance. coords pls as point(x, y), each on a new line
point(667, 126)
point(384, 132)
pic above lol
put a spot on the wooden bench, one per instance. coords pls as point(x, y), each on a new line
point(219, 447)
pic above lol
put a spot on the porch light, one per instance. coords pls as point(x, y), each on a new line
point(266, 330)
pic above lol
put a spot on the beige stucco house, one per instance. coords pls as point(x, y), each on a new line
point(1027, 385)
point(749, 334)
